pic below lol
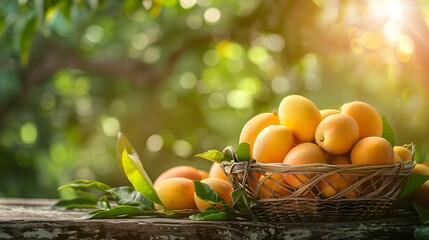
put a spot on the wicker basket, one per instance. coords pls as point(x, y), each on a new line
point(327, 192)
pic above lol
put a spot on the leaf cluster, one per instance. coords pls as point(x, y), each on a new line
point(140, 200)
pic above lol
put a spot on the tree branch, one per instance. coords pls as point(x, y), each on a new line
point(58, 57)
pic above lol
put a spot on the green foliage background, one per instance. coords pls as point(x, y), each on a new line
point(181, 77)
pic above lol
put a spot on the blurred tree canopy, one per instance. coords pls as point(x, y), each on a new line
point(181, 77)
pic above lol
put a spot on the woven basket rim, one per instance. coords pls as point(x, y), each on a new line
point(252, 165)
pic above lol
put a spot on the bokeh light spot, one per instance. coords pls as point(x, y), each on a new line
point(239, 99)
point(194, 22)
point(257, 55)
point(182, 148)
point(140, 41)
point(274, 42)
point(216, 101)
point(186, 4)
point(212, 15)
point(211, 58)
point(312, 82)
point(94, 34)
point(188, 80)
point(406, 45)
point(280, 85)
point(28, 133)
point(250, 85)
point(111, 126)
point(151, 55)
point(154, 143)
point(83, 106)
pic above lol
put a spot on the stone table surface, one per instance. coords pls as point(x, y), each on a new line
point(36, 219)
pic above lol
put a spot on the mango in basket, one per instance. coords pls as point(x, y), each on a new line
point(336, 182)
point(255, 125)
point(304, 153)
point(273, 186)
point(372, 150)
point(404, 153)
point(328, 112)
point(368, 119)
point(272, 144)
point(337, 133)
point(301, 116)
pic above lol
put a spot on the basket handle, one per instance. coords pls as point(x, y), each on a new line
point(247, 165)
point(230, 150)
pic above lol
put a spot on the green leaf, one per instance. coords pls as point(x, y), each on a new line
point(243, 203)
point(414, 181)
point(206, 192)
point(117, 212)
point(104, 202)
point(87, 194)
point(211, 214)
point(421, 232)
point(123, 144)
point(168, 213)
point(76, 203)
point(227, 208)
point(243, 152)
point(85, 184)
point(131, 5)
point(138, 177)
point(229, 154)
point(388, 131)
point(212, 155)
point(128, 196)
point(26, 40)
point(65, 7)
point(423, 213)
point(39, 7)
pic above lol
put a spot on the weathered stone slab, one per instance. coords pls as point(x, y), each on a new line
point(35, 219)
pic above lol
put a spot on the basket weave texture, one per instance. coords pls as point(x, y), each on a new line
point(321, 191)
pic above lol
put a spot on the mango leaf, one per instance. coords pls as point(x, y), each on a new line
point(226, 207)
point(421, 232)
point(129, 196)
point(26, 40)
point(243, 203)
point(229, 154)
point(130, 5)
point(104, 202)
point(212, 155)
point(206, 192)
point(39, 7)
point(414, 181)
point(117, 212)
point(211, 214)
point(388, 131)
point(138, 177)
point(85, 184)
point(123, 144)
point(168, 213)
point(243, 152)
point(56, 21)
point(76, 203)
point(423, 213)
